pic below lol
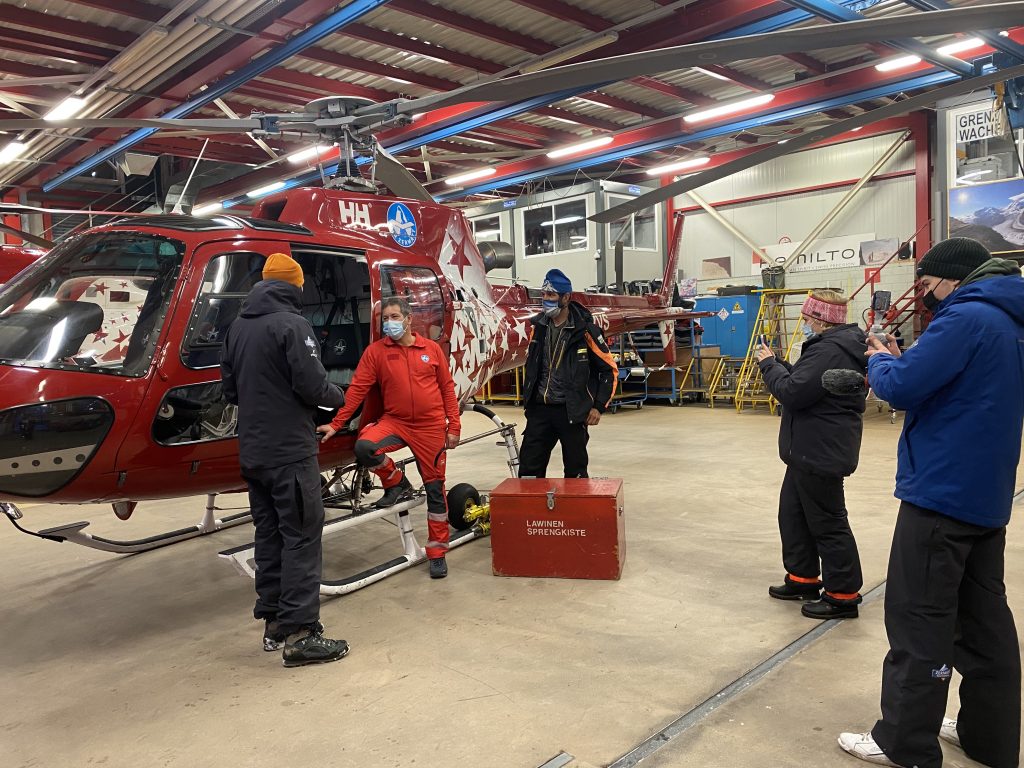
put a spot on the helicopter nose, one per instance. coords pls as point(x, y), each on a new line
point(45, 445)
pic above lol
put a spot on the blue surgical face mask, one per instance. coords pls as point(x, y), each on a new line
point(394, 328)
point(808, 331)
point(551, 308)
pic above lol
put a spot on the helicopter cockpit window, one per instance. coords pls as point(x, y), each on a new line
point(94, 303)
point(420, 288)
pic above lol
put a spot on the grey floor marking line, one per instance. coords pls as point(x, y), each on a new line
point(686, 721)
point(559, 760)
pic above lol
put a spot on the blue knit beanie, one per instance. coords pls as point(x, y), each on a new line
point(555, 280)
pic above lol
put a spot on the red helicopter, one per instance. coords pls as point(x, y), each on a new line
point(110, 343)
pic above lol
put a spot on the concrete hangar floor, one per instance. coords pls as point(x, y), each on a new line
point(153, 660)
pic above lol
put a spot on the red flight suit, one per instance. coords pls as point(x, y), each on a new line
point(420, 409)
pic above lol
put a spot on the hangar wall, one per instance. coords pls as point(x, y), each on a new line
point(884, 208)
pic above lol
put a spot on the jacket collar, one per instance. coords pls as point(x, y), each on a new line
point(417, 341)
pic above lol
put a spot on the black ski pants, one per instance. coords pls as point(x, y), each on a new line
point(288, 512)
point(545, 426)
point(814, 528)
point(945, 608)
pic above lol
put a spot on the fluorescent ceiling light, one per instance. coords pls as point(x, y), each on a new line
point(67, 108)
point(11, 152)
point(693, 162)
point(562, 119)
point(481, 173)
point(858, 128)
point(709, 73)
point(591, 102)
point(487, 232)
point(397, 80)
point(900, 62)
point(569, 52)
point(563, 220)
point(728, 109)
point(583, 146)
point(209, 208)
point(260, 191)
point(308, 154)
point(959, 46)
point(783, 141)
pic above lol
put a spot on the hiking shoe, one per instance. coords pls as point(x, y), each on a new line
point(273, 637)
point(863, 746)
point(309, 646)
point(791, 590)
point(395, 494)
point(948, 732)
point(822, 609)
point(438, 568)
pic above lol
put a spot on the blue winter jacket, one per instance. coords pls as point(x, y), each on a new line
point(962, 386)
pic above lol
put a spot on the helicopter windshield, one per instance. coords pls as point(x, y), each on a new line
point(94, 303)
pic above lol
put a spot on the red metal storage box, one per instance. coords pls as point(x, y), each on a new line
point(571, 529)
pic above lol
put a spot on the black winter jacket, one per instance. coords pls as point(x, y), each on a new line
point(820, 432)
point(271, 370)
point(588, 373)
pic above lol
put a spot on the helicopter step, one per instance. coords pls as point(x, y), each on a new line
point(75, 532)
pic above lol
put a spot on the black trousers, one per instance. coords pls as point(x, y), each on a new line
point(545, 426)
point(288, 512)
point(945, 608)
point(814, 528)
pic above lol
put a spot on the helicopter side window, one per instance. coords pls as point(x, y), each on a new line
point(95, 303)
point(420, 288)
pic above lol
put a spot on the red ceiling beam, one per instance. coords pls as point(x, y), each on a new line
point(679, 92)
point(558, 9)
point(53, 47)
point(469, 25)
point(740, 78)
point(809, 63)
point(133, 9)
point(72, 28)
point(22, 69)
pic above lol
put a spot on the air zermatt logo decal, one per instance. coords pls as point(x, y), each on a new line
point(402, 225)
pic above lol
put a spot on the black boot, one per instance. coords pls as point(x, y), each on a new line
point(438, 568)
point(794, 590)
point(309, 646)
point(274, 636)
point(831, 609)
point(395, 494)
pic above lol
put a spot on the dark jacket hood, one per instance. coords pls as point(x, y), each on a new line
point(849, 338)
point(997, 282)
point(269, 296)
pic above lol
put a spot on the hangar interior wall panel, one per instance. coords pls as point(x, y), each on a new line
point(885, 208)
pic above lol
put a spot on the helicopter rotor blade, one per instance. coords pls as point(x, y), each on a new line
point(807, 139)
point(601, 71)
point(398, 178)
point(28, 237)
point(241, 125)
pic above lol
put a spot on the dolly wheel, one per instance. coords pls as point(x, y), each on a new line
point(460, 497)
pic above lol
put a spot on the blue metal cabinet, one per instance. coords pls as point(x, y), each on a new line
point(732, 334)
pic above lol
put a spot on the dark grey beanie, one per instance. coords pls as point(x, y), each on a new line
point(953, 259)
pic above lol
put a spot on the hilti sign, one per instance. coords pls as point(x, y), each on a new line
point(355, 213)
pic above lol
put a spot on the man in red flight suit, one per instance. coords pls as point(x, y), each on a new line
point(420, 411)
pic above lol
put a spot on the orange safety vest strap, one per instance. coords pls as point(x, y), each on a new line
point(606, 356)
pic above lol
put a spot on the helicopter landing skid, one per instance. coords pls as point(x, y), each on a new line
point(74, 532)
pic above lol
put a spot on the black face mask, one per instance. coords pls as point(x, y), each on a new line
point(930, 300)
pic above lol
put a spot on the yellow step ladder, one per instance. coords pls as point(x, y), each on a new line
point(779, 320)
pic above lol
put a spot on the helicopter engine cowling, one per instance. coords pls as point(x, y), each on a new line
point(496, 254)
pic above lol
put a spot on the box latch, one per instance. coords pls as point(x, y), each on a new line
point(551, 499)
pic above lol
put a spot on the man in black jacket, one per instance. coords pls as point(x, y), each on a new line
point(819, 440)
point(271, 370)
point(570, 379)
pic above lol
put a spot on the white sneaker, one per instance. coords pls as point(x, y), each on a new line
point(948, 732)
point(863, 746)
